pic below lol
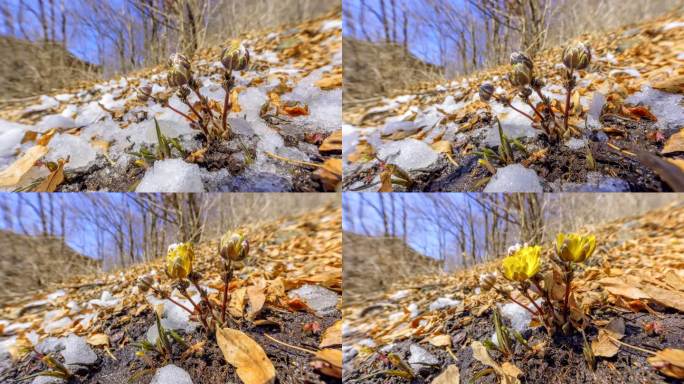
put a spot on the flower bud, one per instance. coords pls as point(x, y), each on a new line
point(179, 260)
point(521, 75)
point(233, 246)
point(144, 283)
point(235, 57)
point(144, 93)
point(179, 72)
point(525, 92)
point(487, 281)
point(521, 58)
point(486, 91)
point(538, 83)
point(577, 56)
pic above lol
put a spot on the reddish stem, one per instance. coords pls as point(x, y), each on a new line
point(225, 292)
point(567, 100)
point(226, 105)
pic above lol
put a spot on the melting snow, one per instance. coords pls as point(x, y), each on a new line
point(408, 154)
point(514, 178)
point(173, 175)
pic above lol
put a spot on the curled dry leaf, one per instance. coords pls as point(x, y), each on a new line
point(675, 143)
point(236, 307)
point(98, 339)
point(256, 298)
point(249, 359)
point(669, 362)
point(440, 340)
point(11, 175)
point(442, 146)
point(330, 174)
point(451, 375)
point(332, 336)
point(53, 180)
point(331, 360)
point(605, 345)
point(332, 143)
point(509, 375)
point(330, 82)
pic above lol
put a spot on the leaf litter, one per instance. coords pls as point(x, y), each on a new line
point(112, 314)
point(630, 293)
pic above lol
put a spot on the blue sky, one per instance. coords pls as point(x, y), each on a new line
point(423, 234)
point(79, 42)
point(80, 233)
point(424, 45)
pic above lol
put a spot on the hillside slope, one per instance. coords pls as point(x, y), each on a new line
point(626, 105)
point(442, 315)
point(29, 264)
point(373, 264)
point(284, 119)
point(294, 262)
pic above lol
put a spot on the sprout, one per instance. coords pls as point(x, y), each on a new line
point(235, 57)
point(179, 260)
point(144, 93)
point(233, 246)
point(574, 247)
point(179, 73)
point(523, 264)
point(521, 58)
point(486, 91)
point(577, 56)
point(521, 75)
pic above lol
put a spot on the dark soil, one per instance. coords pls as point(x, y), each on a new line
point(209, 366)
point(560, 166)
point(561, 361)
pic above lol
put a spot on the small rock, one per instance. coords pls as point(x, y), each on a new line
point(443, 302)
point(77, 352)
point(514, 178)
point(171, 374)
point(348, 353)
point(323, 301)
point(421, 360)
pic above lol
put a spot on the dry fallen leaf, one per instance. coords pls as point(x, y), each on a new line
point(256, 298)
point(442, 146)
point(451, 375)
point(638, 113)
point(98, 339)
point(330, 82)
point(604, 345)
point(330, 174)
point(332, 143)
point(440, 340)
point(249, 359)
point(669, 362)
point(53, 180)
point(11, 175)
point(480, 354)
point(672, 84)
point(675, 143)
point(236, 307)
point(333, 362)
point(332, 336)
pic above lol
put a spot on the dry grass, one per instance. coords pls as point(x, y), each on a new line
point(374, 69)
point(31, 264)
point(373, 264)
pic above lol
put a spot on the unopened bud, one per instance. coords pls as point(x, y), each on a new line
point(577, 56)
point(521, 75)
point(486, 91)
point(521, 58)
point(487, 281)
point(233, 246)
point(179, 71)
point(235, 57)
point(144, 93)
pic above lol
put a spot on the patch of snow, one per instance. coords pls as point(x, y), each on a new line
point(79, 151)
point(598, 100)
point(665, 106)
point(443, 302)
point(514, 178)
point(331, 24)
point(323, 301)
point(106, 300)
point(50, 345)
point(400, 295)
point(420, 359)
point(172, 175)
point(50, 325)
point(46, 102)
point(408, 154)
point(10, 137)
point(673, 25)
point(680, 56)
point(77, 352)
point(171, 374)
point(413, 310)
point(392, 127)
point(625, 71)
point(47, 380)
point(517, 315)
point(513, 124)
point(56, 295)
point(64, 97)
point(575, 143)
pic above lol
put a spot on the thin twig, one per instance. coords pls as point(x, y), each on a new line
point(290, 345)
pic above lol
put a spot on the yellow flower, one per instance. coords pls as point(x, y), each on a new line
point(179, 260)
point(523, 264)
point(233, 246)
point(574, 247)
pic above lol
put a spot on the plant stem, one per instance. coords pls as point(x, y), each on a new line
point(568, 279)
point(510, 297)
point(528, 102)
point(567, 99)
point(229, 268)
point(197, 308)
point(168, 297)
point(520, 112)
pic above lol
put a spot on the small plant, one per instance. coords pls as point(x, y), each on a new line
point(553, 287)
point(163, 150)
point(233, 247)
point(575, 57)
point(505, 154)
point(55, 368)
point(180, 77)
point(163, 346)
